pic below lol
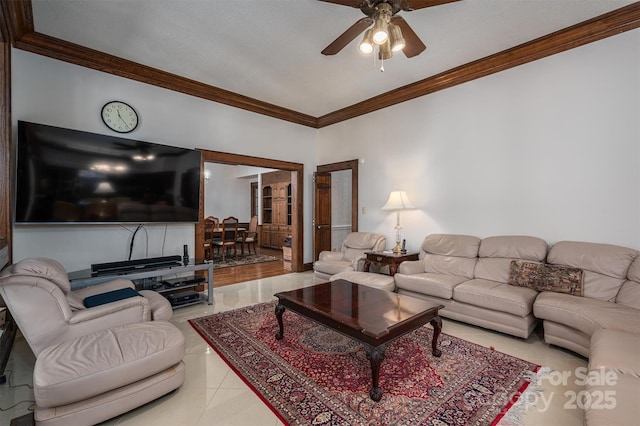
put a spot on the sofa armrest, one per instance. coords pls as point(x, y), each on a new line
point(410, 267)
point(331, 256)
point(136, 308)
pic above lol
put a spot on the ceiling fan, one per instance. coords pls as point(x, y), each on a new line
point(389, 32)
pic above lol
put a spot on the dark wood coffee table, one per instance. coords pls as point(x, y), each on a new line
point(371, 316)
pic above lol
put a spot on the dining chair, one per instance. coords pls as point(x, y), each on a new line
point(249, 237)
point(210, 224)
point(229, 237)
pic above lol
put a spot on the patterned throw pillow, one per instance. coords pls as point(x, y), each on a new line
point(545, 277)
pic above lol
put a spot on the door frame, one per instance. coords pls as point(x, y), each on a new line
point(353, 166)
point(297, 186)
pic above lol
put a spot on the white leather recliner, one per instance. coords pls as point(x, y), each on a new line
point(95, 363)
point(351, 256)
point(38, 294)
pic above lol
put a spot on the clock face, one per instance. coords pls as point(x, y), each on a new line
point(119, 117)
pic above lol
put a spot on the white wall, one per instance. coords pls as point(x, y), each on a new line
point(226, 194)
point(549, 149)
point(56, 93)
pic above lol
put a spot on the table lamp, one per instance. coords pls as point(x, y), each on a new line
point(397, 201)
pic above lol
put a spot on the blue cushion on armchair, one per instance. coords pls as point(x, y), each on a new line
point(110, 296)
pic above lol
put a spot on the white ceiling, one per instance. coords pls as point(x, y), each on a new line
point(270, 49)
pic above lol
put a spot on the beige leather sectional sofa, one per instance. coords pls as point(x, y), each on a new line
point(474, 279)
point(469, 277)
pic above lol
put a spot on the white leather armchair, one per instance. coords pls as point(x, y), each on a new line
point(351, 256)
point(38, 294)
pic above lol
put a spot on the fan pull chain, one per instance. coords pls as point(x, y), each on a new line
point(381, 61)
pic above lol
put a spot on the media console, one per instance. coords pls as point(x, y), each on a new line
point(163, 278)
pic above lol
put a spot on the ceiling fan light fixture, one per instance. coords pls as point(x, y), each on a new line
point(381, 22)
point(366, 45)
point(384, 52)
point(397, 41)
point(380, 34)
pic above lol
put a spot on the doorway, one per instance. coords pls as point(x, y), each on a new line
point(341, 210)
point(296, 171)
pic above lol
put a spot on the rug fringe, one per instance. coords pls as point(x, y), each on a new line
point(527, 399)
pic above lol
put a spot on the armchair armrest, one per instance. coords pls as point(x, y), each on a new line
point(331, 256)
point(132, 309)
point(358, 263)
point(410, 267)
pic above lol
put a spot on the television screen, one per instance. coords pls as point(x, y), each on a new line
point(69, 176)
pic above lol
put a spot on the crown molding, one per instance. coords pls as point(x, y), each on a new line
point(23, 35)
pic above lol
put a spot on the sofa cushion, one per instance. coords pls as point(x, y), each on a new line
point(430, 284)
point(496, 253)
point(543, 277)
point(605, 266)
point(612, 404)
point(585, 314)
point(614, 370)
point(450, 254)
point(362, 240)
point(451, 265)
point(629, 293)
point(615, 350)
point(332, 267)
point(496, 296)
point(452, 245)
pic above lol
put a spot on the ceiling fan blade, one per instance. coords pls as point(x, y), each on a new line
point(413, 4)
point(350, 3)
point(414, 46)
point(347, 36)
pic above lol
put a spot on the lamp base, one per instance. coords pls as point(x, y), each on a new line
point(398, 248)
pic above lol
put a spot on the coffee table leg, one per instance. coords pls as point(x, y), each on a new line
point(375, 356)
point(279, 312)
point(436, 322)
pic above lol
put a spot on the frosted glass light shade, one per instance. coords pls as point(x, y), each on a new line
point(366, 45)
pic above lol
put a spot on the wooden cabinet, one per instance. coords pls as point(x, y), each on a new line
point(276, 209)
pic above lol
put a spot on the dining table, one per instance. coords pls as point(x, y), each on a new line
point(217, 232)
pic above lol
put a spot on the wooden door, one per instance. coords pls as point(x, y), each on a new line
point(322, 213)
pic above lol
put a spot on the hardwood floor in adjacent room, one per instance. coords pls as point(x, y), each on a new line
point(237, 274)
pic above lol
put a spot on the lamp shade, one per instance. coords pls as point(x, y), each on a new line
point(398, 200)
point(104, 187)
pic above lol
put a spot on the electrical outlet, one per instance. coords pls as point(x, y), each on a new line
point(364, 210)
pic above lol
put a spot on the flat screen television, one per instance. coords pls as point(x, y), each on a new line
point(68, 176)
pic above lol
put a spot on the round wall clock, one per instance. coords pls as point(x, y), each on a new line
point(119, 116)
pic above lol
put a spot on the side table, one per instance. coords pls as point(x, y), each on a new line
point(389, 258)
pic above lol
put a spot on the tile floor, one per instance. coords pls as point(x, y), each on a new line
point(213, 394)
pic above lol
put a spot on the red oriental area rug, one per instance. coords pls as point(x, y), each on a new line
point(317, 376)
